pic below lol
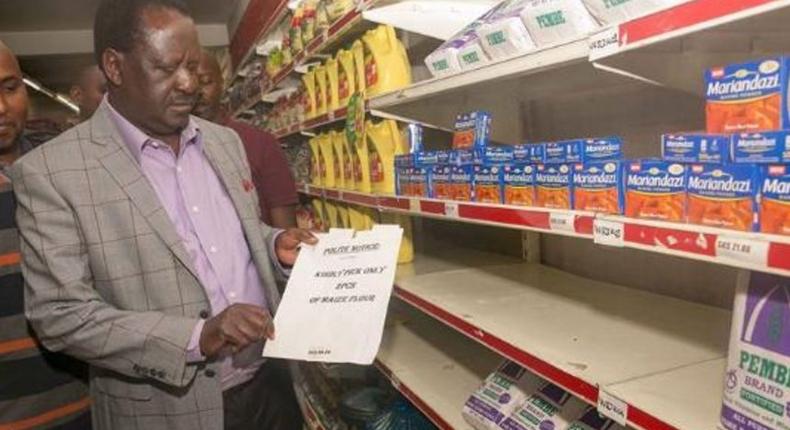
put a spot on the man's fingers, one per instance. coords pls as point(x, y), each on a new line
point(306, 237)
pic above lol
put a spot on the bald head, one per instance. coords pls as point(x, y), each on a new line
point(89, 90)
point(210, 80)
point(13, 101)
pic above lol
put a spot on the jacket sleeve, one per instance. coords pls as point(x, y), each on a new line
point(64, 308)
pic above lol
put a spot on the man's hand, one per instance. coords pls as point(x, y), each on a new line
point(236, 327)
point(287, 244)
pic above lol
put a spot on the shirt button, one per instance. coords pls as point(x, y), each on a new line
point(195, 209)
point(232, 295)
point(213, 249)
point(179, 169)
point(204, 314)
point(210, 373)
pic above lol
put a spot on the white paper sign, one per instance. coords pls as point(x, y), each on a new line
point(335, 303)
point(742, 250)
point(610, 233)
point(414, 205)
point(562, 221)
point(612, 407)
point(451, 209)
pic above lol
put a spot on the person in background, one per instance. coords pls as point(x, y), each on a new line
point(38, 389)
point(88, 91)
point(142, 243)
point(273, 180)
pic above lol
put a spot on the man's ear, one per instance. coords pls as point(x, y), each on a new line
point(112, 61)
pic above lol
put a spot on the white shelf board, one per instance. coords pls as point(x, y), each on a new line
point(599, 333)
point(697, 386)
point(438, 366)
point(697, 37)
point(572, 52)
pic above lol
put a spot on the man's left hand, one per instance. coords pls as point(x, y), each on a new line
point(287, 244)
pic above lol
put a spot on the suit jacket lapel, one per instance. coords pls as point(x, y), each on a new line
point(118, 160)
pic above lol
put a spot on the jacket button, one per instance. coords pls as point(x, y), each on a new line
point(204, 314)
point(210, 373)
point(160, 374)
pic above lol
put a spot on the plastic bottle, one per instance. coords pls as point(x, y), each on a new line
point(386, 63)
point(319, 214)
point(406, 251)
point(384, 143)
point(321, 92)
point(360, 218)
point(338, 158)
point(361, 163)
point(333, 95)
point(358, 51)
point(311, 96)
point(316, 166)
point(346, 76)
point(327, 152)
point(331, 214)
point(349, 180)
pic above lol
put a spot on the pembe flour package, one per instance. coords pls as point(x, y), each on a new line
point(500, 394)
point(757, 381)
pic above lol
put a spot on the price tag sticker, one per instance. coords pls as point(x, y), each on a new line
point(612, 407)
point(754, 252)
point(414, 205)
point(562, 221)
point(451, 209)
point(604, 43)
point(609, 233)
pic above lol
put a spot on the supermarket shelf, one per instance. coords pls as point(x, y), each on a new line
point(752, 251)
point(585, 335)
point(313, 123)
point(524, 66)
point(433, 367)
point(337, 31)
point(674, 47)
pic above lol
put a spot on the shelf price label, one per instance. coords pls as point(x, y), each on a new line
point(604, 43)
point(609, 233)
point(612, 407)
point(451, 209)
point(562, 221)
point(739, 249)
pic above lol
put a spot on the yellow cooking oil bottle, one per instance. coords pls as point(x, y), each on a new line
point(342, 215)
point(319, 215)
point(385, 141)
point(321, 90)
point(311, 100)
point(358, 51)
point(361, 162)
point(349, 178)
point(386, 63)
point(338, 159)
point(327, 153)
point(333, 95)
point(346, 75)
point(316, 166)
point(331, 214)
point(360, 218)
point(406, 251)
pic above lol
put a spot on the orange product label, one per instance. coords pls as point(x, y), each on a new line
point(555, 198)
point(487, 193)
point(342, 84)
point(605, 200)
point(667, 207)
point(520, 196)
point(376, 168)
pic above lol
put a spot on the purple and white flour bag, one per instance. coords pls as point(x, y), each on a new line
point(757, 381)
point(500, 394)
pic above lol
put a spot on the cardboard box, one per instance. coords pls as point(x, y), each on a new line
point(723, 196)
point(598, 187)
point(696, 148)
point(655, 189)
point(554, 186)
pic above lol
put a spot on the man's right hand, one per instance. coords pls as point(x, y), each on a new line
point(236, 327)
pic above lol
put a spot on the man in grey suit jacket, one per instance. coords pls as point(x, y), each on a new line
point(143, 250)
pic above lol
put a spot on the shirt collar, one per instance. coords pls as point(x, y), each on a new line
point(137, 140)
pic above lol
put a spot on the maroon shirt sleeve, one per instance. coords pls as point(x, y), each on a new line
point(271, 175)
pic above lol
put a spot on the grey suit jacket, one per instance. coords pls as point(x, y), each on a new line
point(109, 281)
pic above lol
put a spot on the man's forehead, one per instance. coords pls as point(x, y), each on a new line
point(9, 67)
